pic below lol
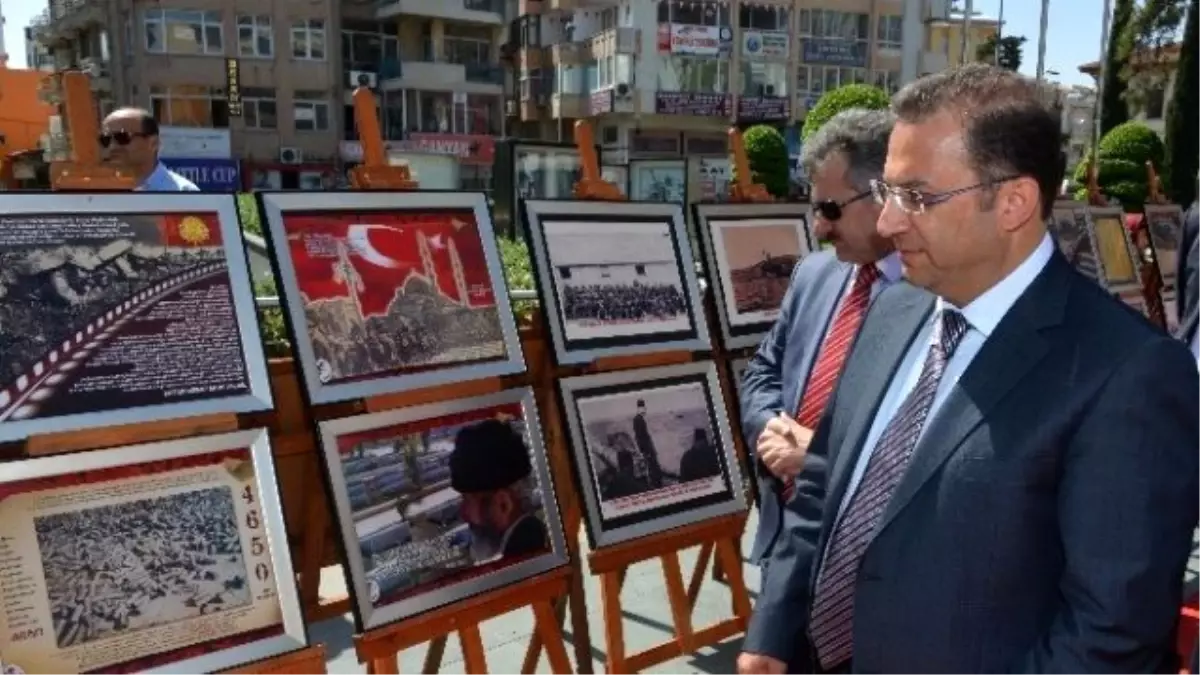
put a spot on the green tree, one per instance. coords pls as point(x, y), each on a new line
point(842, 98)
point(1154, 26)
point(766, 151)
point(1182, 137)
point(247, 206)
point(1011, 49)
point(1113, 108)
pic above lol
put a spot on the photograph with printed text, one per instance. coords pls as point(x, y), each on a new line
point(652, 450)
point(138, 314)
point(166, 560)
point(432, 506)
point(380, 298)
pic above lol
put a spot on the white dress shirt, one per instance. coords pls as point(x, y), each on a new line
point(983, 314)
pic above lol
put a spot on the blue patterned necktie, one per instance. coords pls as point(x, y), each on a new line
point(832, 621)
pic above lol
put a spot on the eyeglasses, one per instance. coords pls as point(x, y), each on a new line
point(832, 210)
point(121, 138)
point(915, 202)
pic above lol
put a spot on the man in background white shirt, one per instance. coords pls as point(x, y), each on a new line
point(130, 137)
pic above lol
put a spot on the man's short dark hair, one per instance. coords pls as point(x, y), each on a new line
point(1010, 125)
point(146, 121)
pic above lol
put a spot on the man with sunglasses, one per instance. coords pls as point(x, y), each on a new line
point(1012, 478)
point(130, 138)
point(789, 381)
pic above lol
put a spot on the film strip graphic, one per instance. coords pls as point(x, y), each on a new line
point(23, 397)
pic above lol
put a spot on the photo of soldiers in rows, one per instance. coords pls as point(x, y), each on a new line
point(621, 303)
point(140, 564)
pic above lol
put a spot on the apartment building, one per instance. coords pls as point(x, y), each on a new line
point(666, 78)
point(1159, 68)
point(945, 45)
point(259, 91)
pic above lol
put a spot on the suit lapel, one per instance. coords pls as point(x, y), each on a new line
point(1012, 352)
point(826, 298)
point(890, 327)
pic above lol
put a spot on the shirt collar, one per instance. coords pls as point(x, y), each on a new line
point(985, 312)
point(889, 267)
point(159, 176)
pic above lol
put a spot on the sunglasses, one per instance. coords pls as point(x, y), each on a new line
point(121, 138)
point(831, 210)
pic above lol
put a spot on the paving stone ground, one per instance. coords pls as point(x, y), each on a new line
point(647, 622)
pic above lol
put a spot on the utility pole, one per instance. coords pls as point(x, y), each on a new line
point(1105, 27)
point(999, 31)
point(1041, 62)
point(966, 30)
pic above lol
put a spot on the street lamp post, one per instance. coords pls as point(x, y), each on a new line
point(1041, 62)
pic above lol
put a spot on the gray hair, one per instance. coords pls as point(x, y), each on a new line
point(861, 136)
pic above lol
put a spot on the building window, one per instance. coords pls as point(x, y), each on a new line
point(569, 79)
point(887, 80)
point(467, 45)
point(694, 74)
point(259, 109)
point(174, 31)
point(185, 105)
point(310, 110)
point(889, 33)
point(764, 79)
point(816, 80)
point(1156, 100)
point(829, 23)
point(692, 12)
point(763, 18)
point(255, 37)
point(308, 39)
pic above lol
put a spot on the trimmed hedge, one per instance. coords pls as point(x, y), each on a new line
point(842, 98)
point(766, 151)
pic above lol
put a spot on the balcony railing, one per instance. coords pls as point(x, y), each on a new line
point(496, 6)
point(485, 74)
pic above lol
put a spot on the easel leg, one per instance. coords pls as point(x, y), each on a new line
point(681, 611)
point(385, 665)
point(697, 578)
point(547, 625)
point(731, 562)
point(433, 657)
point(614, 629)
point(581, 636)
point(474, 661)
point(533, 651)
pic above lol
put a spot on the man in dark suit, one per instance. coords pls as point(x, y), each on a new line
point(1187, 278)
point(645, 444)
point(1013, 463)
point(790, 379)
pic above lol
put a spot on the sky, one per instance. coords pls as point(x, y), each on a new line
point(1072, 36)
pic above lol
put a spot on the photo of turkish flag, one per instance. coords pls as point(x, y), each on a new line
point(372, 255)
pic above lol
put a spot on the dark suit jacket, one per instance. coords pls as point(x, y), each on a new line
point(527, 537)
point(1046, 518)
point(775, 377)
point(1187, 277)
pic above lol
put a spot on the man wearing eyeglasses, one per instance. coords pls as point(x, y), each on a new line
point(1012, 483)
point(789, 381)
point(130, 137)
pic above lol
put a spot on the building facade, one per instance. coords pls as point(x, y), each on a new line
point(1157, 69)
point(945, 47)
point(266, 86)
point(665, 79)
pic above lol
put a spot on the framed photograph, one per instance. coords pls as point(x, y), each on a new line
point(658, 180)
point(750, 251)
point(1072, 232)
point(616, 278)
point(652, 449)
point(391, 291)
point(1117, 255)
point(440, 502)
point(1165, 223)
point(708, 179)
point(161, 557)
point(124, 308)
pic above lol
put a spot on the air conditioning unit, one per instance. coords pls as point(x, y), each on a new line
point(290, 156)
point(623, 90)
point(362, 78)
point(766, 90)
point(93, 67)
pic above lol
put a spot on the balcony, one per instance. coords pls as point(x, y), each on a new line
point(441, 75)
point(569, 53)
point(471, 11)
point(569, 106)
point(613, 41)
point(64, 19)
point(484, 74)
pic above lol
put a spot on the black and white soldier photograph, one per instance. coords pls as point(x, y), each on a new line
point(642, 442)
point(121, 568)
point(616, 279)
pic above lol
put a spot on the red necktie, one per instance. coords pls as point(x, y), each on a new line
point(832, 355)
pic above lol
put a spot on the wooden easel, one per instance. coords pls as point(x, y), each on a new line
point(611, 564)
point(744, 191)
point(1152, 281)
point(86, 173)
point(379, 648)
